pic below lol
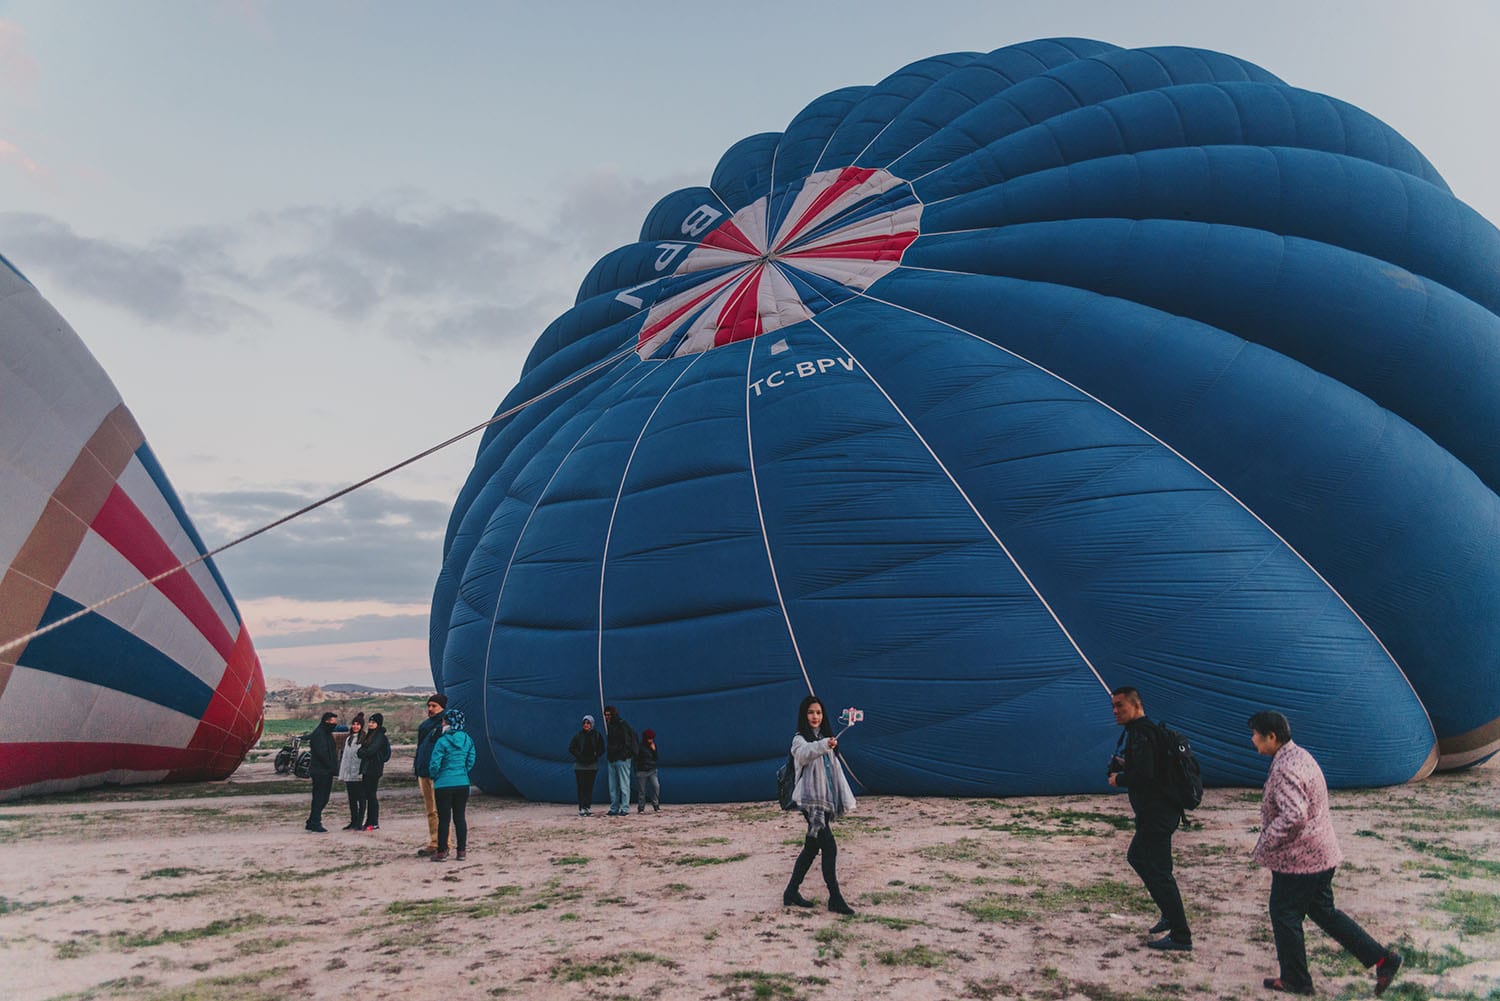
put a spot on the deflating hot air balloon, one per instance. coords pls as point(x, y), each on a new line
point(978, 392)
point(162, 684)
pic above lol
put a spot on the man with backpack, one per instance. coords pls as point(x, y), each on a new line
point(1139, 767)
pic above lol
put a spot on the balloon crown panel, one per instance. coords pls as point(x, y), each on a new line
point(1089, 367)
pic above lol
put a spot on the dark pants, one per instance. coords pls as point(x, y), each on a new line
point(1150, 855)
point(585, 780)
point(811, 846)
point(647, 788)
point(452, 801)
point(322, 788)
point(372, 801)
point(1298, 895)
point(356, 791)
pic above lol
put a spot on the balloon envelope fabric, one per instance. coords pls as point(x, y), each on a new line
point(979, 392)
point(162, 684)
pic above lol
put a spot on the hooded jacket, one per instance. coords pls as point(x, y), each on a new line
point(586, 747)
point(374, 753)
point(325, 756)
point(453, 756)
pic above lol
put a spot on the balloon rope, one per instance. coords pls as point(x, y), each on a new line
point(65, 620)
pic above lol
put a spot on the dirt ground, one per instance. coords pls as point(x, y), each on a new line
point(215, 891)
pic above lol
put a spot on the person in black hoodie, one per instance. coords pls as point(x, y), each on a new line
point(620, 739)
point(325, 764)
point(586, 747)
point(373, 754)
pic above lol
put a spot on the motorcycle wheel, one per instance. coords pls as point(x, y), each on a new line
point(283, 763)
point(304, 765)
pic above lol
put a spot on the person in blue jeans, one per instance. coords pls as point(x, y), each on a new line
point(452, 756)
point(620, 747)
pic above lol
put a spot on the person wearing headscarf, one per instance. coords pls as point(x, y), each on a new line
point(823, 795)
point(373, 754)
point(586, 747)
point(452, 756)
point(349, 773)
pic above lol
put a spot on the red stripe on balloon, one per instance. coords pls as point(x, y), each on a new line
point(874, 248)
point(121, 524)
point(728, 236)
point(740, 317)
point(24, 764)
point(850, 177)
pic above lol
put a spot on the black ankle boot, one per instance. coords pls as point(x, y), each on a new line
point(836, 902)
point(791, 898)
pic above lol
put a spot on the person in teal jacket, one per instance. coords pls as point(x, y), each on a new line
point(452, 757)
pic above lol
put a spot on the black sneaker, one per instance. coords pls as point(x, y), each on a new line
point(1386, 970)
point(1170, 944)
point(1160, 926)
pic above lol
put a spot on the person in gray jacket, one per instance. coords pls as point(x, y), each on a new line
point(349, 773)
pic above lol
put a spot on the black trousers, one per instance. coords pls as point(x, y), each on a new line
point(372, 801)
point(322, 788)
point(585, 780)
point(1150, 855)
point(452, 801)
point(356, 791)
point(811, 848)
point(1295, 896)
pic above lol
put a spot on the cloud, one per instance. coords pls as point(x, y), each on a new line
point(422, 271)
point(373, 545)
point(163, 284)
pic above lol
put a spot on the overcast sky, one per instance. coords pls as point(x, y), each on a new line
point(307, 240)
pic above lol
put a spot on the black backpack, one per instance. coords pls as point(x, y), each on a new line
point(1178, 775)
point(1181, 778)
point(786, 782)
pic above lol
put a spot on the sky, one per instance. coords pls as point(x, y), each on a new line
point(309, 240)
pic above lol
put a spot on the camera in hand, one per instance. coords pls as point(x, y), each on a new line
point(1116, 764)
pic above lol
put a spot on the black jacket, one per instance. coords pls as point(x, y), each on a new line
point(373, 754)
point(325, 756)
point(587, 747)
point(622, 742)
point(645, 759)
point(427, 734)
point(1140, 777)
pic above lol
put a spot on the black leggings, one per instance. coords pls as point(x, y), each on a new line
point(585, 781)
point(372, 802)
point(811, 846)
point(451, 803)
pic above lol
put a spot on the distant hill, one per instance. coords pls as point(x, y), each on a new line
point(349, 688)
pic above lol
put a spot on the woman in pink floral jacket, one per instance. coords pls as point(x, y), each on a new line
point(1298, 845)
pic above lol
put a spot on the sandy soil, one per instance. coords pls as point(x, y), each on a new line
point(214, 893)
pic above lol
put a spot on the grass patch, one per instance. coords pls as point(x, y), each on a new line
point(571, 860)
point(760, 984)
point(1473, 913)
point(174, 872)
point(917, 955)
point(214, 929)
point(300, 876)
point(1461, 863)
point(428, 908)
point(611, 965)
point(708, 859)
point(241, 987)
point(1054, 898)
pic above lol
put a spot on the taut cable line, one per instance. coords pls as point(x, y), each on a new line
point(21, 641)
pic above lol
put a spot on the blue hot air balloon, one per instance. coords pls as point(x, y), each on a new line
point(975, 393)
